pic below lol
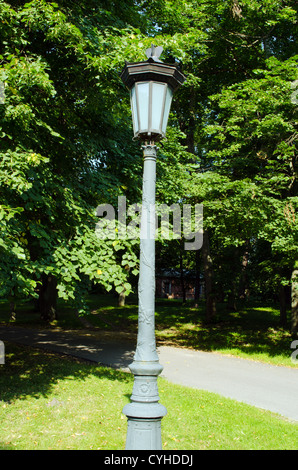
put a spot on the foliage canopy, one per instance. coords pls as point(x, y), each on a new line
point(66, 138)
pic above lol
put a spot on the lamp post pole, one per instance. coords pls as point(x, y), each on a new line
point(144, 413)
point(151, 85)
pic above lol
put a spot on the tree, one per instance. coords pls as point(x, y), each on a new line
point(242, 140)
point(62, 135)
point(254, 141)
point(294, 301)
point(66, 138)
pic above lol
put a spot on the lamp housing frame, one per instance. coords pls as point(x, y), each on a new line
point(154, 73)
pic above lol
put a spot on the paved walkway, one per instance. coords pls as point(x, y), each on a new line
point(264, 386)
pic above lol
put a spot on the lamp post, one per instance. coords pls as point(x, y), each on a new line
point(151, 84)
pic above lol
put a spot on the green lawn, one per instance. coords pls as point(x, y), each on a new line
point(252, 332)
point(52, 402)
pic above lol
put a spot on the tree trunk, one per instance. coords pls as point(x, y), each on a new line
point(208, 272)
point(282, 306)
point(121, 298)
point(294, 301)
point(47, 302)
point(12, 309)
point(232, 304)
point(182, 282)
point(198, 279)
point(243, 284)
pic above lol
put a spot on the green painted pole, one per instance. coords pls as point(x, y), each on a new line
point(144, 412)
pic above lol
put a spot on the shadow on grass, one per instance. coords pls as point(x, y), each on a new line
point(254, 329)
point(28, 371)
point(104, 314)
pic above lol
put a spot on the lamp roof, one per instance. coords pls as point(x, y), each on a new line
point(152, 69)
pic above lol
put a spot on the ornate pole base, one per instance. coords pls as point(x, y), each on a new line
point(144, 413)
point(143, 435)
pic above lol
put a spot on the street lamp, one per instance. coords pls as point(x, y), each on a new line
point(151, 84)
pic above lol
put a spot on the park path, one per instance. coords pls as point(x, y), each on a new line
point(265, 386)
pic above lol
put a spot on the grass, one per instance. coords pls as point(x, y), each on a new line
point(53, 402)
point(253, 332)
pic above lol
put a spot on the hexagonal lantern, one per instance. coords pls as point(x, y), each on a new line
point(151, 84)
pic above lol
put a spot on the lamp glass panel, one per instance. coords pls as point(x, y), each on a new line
point(143, 104)
point(134, 109)
point(169, 96)
point(158, 91)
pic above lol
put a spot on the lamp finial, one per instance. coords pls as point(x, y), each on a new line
point(154, 53)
